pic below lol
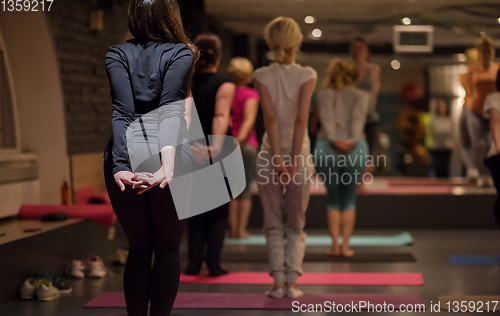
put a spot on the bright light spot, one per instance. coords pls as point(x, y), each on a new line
point(395, 64)
point(498, 20)
point(316, 33)
point(406, 21)
point(461, 57)
point(309, 19)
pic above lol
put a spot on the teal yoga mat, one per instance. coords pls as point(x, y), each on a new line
point(401, 239)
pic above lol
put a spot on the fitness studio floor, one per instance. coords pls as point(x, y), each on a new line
point(430, 249)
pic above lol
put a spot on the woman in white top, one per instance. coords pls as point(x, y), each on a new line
point(442, 139)
point(284, 163)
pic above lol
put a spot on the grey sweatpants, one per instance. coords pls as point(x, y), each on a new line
point(284, 215)
point(479, 131)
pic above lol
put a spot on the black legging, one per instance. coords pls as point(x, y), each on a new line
point(207, 228)
point(494, 165)
point(151, 225)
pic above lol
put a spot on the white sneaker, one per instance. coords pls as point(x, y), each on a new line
point(294, 292)
point(76, 269)
point(45, 291)
point(279, 293)
point(27, 290)
point(96, 267)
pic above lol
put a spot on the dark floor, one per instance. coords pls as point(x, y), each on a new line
point(431, 248)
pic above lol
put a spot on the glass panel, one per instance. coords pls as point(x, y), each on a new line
point(7, 122)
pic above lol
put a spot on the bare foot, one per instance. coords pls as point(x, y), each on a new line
point(244, 235)
point(234, 235)
point(348, 253)
point(334, 251)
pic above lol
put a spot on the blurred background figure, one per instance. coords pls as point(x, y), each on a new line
point(467, 154)
point(491, 111)
point(369, 81)
point(243, 114)
point(441, 142)
point(343, 109)
point(481, 77)
point(213, 95)
point(413, 156)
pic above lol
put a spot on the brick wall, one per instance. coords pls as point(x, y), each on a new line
point(81, 55)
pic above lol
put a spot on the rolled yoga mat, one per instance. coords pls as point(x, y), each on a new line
point(361, 257)
point(474, 260)
point(100, 213)
point(484, 303)
point(262, 301)
point(402, 239)
point(410, 279)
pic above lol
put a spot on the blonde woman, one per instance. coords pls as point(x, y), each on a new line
point(481, 77)
point(342, 151)
point(284, 161)
point(243, 115)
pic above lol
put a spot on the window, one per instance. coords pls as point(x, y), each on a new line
point(7, 118)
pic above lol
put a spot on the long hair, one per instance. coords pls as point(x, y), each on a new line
point(210, 47)
point(341, 73)
point(158, 21)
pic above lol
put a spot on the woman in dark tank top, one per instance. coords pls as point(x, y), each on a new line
point(213, 95)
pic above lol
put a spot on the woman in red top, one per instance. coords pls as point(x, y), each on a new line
point(243, 114)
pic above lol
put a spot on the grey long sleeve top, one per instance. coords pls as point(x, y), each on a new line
point(343, 113)
point(145, 76)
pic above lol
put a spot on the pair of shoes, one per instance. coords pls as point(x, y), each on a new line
point(290, 292)
point(44, 287)
point(93, 268)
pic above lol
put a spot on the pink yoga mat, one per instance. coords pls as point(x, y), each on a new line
point(409, 190)
point(261, 301)
point(313, 278)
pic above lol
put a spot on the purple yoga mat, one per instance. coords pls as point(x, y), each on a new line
point(262, 301)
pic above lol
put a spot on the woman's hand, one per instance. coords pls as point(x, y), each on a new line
point(343, 146)
point(162, 177)
point(279, 170)
point(127, 177)
point(200, 153)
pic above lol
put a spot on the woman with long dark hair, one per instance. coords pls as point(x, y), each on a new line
point(213, 95)
point(150, 72)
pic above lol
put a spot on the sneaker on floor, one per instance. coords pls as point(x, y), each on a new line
point(27, 291)
point(293, 292)
point(45, 291)
point(96, 268)
point(279, 293)
point(76, 269)
point(60, 285)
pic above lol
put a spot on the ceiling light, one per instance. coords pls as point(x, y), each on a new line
point(406, 21)
point(309, 19)
point(395, 64)
point(316, 33)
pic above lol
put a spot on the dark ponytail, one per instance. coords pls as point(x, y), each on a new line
point(210, 47)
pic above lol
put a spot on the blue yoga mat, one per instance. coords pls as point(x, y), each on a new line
point(474, 260)
point(402, 239)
